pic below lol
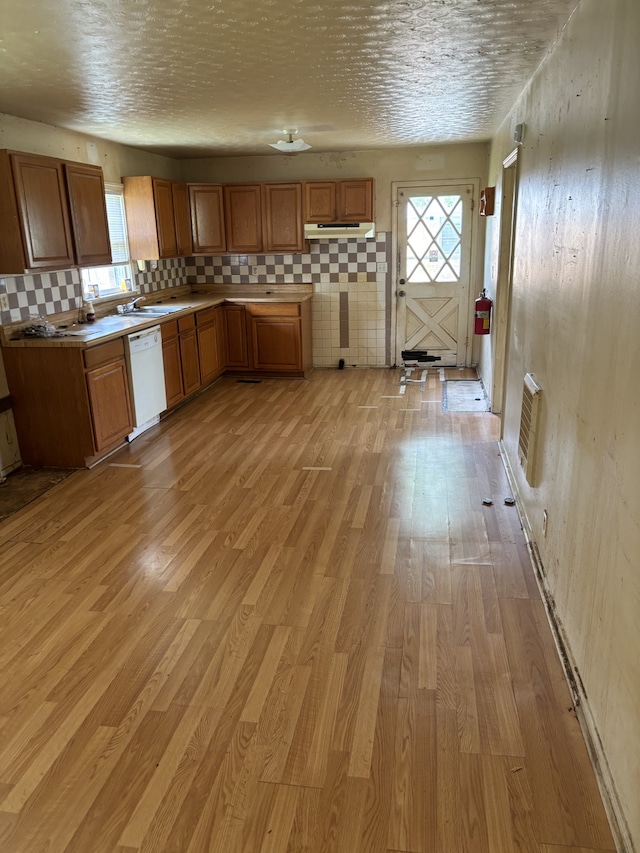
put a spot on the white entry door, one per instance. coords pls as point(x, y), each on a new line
point(433, 271)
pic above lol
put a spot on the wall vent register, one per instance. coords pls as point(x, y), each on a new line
point(528, 437)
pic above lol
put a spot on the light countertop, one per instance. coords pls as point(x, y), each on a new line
point(83, 335)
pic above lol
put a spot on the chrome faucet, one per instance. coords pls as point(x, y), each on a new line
point(130, 306)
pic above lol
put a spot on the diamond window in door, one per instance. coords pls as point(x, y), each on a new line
point(434, 233)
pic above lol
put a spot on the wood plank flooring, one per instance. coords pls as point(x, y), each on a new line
point(284, 621)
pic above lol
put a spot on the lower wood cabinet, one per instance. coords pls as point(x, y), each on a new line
point(71, 406)
point(189, 354)
point(110, 407)
point(237, 354)
point(208, 349)
point(268, 337)
point(276, 337)
point(180, 356)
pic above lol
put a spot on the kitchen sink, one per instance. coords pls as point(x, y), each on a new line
point(159, 310)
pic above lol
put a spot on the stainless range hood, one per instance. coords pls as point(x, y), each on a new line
point(333, 230)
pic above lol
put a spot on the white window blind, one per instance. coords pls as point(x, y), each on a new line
point(117, 225)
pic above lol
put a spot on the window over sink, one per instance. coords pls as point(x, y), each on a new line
point(99, 282)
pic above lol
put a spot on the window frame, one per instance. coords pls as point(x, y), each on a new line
point(113, 189)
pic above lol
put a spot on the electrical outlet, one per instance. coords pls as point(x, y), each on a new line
point(254, 271)
point(382, 266)
point(544, 522)
point(4, 302)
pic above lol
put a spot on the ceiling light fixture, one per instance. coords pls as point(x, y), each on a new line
point(291, 145)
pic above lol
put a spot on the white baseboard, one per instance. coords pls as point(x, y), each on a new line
point(608, 791)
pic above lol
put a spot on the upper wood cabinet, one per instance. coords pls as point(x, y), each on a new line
point(85, 186)
point(243, 217)
point(338, 201)
point(157, 216)
point(182, 218)
point(283, 225)
point(52, 214)
point(207, 218)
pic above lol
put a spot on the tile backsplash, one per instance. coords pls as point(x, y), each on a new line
point(351, 304)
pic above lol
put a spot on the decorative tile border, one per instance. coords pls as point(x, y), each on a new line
point(357, 260)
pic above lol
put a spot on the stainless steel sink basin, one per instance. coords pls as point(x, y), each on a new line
point(159, 310)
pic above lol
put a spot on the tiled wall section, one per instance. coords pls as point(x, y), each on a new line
point(159, 275)
point(51, 293)
point(39, 295)
point(351, 302)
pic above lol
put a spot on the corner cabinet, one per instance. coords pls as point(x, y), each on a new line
point(158, 218)
point(338, 201)
point(52, 214)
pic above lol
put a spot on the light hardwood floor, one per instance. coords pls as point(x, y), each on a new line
point(284, 621)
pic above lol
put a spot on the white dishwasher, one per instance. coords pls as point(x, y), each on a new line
point(143, 352)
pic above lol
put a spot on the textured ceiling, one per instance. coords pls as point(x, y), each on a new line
point(195, 78)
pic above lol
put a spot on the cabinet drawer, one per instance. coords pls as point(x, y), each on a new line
point(206, 316)
point(104, 353)
point(169, 329)
point(185, 324)
point(274, 309)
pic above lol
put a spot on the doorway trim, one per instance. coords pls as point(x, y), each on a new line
point(475, 261)
point(504, 279)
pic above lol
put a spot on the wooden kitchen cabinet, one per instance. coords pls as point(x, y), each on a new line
point(276, 343)
point(108, 389)
point(172, 363)
point(207, 218)
point(85, 187)
point(208, 351)
point(339, 201)
point(189, 354)
point(283, 225)
point(52, 214)
point(158, 218)
point(235, 333)
point(71, 406)
point(182, 218)
point(280, 336)
point(180, 358)
point(243, 217)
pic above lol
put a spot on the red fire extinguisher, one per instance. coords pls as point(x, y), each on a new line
point(483, 314)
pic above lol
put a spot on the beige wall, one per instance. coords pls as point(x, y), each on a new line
point(116, 160)
point(403, 164)
point(575, 325)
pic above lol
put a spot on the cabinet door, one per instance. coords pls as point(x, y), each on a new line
point(208, 353)
point(207, 219)
point(182, 217)
point(283, 230)
point(172, 370)
point(355, 201)
point(221, 337)
point(242, 217)
point(236, 336)
point(320, 201)
point(165, 222)
point(110, 408)
point(190, 361)
point(276, 343)
point(85, 186)
point(42, 204)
